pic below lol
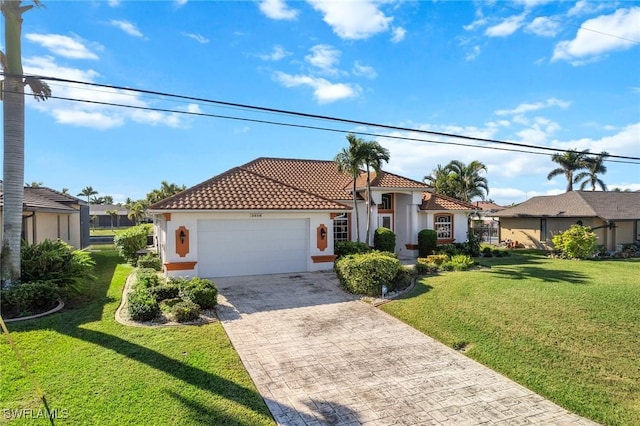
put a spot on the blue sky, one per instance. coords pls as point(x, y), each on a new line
point(553, 74)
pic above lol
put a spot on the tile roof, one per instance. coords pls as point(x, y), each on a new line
point(388, 180)
point(433, 201)
point(42, 198)
point(241, 189)
point(605, 205)
point(277, 184)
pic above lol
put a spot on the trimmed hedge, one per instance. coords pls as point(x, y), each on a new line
point(147, 278)
point(367, 273)
point(344, 248)
point(142, 305)
point(200, 291)
point(427, 242)
point(130, 241)
point(384, 239)
point(150, 260)
point(185, 311)
point(29, 298)
point(164, 292)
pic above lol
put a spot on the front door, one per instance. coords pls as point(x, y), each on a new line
point(385, 220)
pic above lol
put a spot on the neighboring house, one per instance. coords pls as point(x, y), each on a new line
point(614, 217)
point(276, 215)
point(485, 223)
point(50, 214)
point(105, 220)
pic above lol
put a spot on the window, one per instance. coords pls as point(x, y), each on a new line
point(444, 226)
point(387, 202)
point(341, 227)
point(543, 229)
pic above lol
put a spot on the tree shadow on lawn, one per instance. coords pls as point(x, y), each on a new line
point(542, 274)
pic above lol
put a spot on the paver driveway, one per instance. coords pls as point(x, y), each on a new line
point(319, 356)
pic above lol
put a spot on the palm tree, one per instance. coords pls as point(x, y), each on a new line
point(466, 180)
point(374, 155)
point(65, 190)
point(108, 199)
point(166, 190)
point(136, 212)
point(87, 191)
point(594, 165)
point(349, 160)
point(113, 214)
point(440, 181)
point(13, 119)
point(569, 162)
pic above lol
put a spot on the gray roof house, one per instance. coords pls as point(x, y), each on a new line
point(614, 216)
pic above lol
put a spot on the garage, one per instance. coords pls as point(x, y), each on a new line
point(229, 248)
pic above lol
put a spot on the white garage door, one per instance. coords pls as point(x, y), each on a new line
point(229, 248)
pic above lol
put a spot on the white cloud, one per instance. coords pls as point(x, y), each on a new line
point(324, 58)
point(180, 3)
point(114, 3)
point(62, 45)
point(529, 107)
point(592, 40)
point(277, 9)
point(364, 70)
point(507, 27)
point(127, 27)
point(543, 26)
point(276, 54)
point(353, 20)
point(584, 7)
point(398, 34)
point(473, 54)
point(323, 90)
point(95, 120)
point(197, 37)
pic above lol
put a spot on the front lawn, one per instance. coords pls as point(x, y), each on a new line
point(568, 330)
point(94, 370)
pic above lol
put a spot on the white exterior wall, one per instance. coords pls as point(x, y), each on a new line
point(165, 230)
point(460, 224)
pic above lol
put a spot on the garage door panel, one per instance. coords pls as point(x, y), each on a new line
point(249, 247)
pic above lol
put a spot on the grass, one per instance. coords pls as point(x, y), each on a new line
point(568, 330)
point(94, 370)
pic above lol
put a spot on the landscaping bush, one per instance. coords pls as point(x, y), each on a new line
point(459, 262)
point(29, 298)
point(577, 242)
point(402, 279)
point(150, 260)
point(164, 292)
point(431, 263)
point(367, 273)
point(147, 278)
point(200, 291)
point(427, 242)
point(344, 248)
point(448, 249)
point(472, 246)
point(58, 263)
point(185, 311)
point(384, 239)
point(142, 305)
point(130, 241)
point(487, 252)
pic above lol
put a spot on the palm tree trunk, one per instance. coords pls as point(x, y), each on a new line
point(368, 206)
point(13, 118)
point(355, 208)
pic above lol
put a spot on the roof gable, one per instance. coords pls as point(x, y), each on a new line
point(433, 201)
point(389, 180)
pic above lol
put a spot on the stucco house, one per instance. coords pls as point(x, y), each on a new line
point(614, 217)
point(50, 214)
point(277, 215)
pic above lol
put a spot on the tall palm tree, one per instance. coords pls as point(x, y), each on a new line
point(87, 191)
point(440, 181)
point(136, 212)
point(13, 119)
point(570, 162)
point(467, 181)
point(595, 166)
point(374, 155)
point(349, 160)
point(113, 214)
point(166, 190)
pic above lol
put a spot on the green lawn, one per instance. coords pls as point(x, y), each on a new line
point(568, 330)
point(94, 370)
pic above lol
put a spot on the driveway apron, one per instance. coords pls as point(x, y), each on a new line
point(321, 357)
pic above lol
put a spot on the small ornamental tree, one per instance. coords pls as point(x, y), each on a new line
point(129, 241)
point(384, 240)
point(427, 242)
point(577, 242)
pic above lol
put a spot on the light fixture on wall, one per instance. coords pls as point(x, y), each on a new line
point(182, 236)
point(323, 233)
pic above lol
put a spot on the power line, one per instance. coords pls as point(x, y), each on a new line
point(312, 116)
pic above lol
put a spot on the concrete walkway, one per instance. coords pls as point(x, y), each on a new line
point(320, 357)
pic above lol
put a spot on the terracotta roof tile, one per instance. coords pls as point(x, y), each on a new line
point(240, 189)
point(432, 201)
point(388, 180)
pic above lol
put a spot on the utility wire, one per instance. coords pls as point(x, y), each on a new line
point(295, 114)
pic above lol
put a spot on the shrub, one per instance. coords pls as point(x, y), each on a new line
point(448, 249)
point(384, 239)
point(486, 252)
point(164, 292)
point(147, 278)
point(427, 242)
point(431, 263)
point(200, 291)
point(185, 311)
point(472, 246)
point(150, 260)
point(130, 241)
point(344, 248)
point(29, 298)
point(460, 262)
point(577, 242)
point(367, 273)
point(56, 262)
point(403, 278)
point(142, 305)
